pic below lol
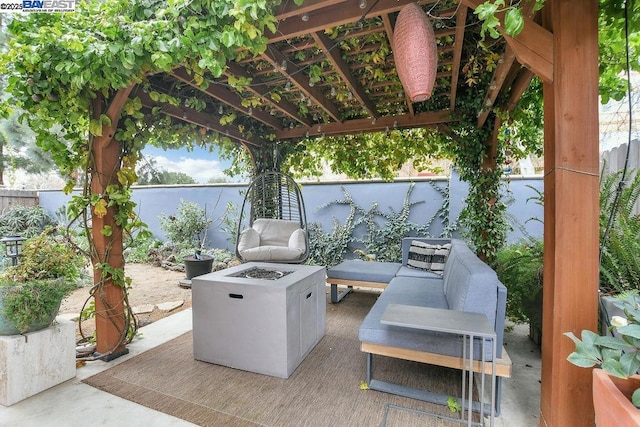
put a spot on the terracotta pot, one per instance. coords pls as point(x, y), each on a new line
point(612, 400)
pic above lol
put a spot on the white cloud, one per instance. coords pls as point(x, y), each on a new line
point(202, 170)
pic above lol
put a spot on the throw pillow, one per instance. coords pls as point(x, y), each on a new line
point(439, 258)
point(428, 257)
point(420, 255)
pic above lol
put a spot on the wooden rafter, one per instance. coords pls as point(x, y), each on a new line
point(334, 15)
point(343, 71)
point(228, 97)
point(259, 90)
point(533, 47)
point(461, 18)
point(496, 84)
point(301, 81)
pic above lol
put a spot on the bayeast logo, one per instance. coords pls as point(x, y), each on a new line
point(48, 5)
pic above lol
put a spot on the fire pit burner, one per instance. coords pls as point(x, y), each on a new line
point(261, 273)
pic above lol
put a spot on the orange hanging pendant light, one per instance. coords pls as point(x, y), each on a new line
point(415, 52)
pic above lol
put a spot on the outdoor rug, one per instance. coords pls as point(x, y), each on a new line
point(323, 391)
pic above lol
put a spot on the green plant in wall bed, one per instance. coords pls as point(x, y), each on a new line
point(31, 292)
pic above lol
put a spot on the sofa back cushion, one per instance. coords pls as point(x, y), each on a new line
point(274, 232)
point(470, 284)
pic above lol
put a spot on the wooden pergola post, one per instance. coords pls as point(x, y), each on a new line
point(571, 209)
point(110, 310)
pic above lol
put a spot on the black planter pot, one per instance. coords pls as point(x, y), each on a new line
point(196, 267)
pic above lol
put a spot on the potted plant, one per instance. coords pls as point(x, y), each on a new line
point(188, 229)
point(616, 386)
point(32, 290)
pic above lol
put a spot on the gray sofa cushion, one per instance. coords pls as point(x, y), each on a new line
point(414, 272)
point(470, 284)
point(364, 271)
point(417, 292)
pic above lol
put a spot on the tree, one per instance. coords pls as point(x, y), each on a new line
point(18, 149)
point(17, 142)
point(150, 174)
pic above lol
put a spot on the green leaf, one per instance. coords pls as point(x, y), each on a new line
point(106, 121)
point(635, 398)
point(611, 342)
point(631, 330)
point(228, 38)
point(513, 22)
point(486, 10)
point(614, 368)
point(582, 361)
point(95, 127)
point(630, 364)
point(106, 231)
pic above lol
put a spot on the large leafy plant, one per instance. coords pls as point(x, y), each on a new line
point(519, 267)
point(618, 353)
point(620, 233)
point(25, 221)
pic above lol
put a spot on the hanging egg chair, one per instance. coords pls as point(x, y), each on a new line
point(272, 226)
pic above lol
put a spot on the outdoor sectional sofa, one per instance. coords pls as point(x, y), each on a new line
point(467, 284)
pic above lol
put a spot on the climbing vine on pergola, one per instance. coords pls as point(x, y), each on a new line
point(99, 84)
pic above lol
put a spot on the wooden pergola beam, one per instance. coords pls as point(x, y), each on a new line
point(301, 81)
point(425, 119)
point(321, 18)
point(110, 314)
point(533, 47)
point(198, 118)
point(497, 81)
point(259, 89)
point(461, 16)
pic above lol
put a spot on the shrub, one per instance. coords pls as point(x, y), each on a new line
point(26, 221)
point(46, 256)
point(620, 247)
point(139, 250)
point(188, 227)
point(519, 267)
point(34, 302)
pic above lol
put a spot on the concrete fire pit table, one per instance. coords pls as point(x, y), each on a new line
point(259, 317)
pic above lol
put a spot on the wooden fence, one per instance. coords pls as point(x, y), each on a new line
point(614, 160)
point(11, 198)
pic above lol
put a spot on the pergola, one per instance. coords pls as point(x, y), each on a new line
point(308, 84)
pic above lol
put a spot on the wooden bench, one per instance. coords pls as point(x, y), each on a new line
point(503, 364)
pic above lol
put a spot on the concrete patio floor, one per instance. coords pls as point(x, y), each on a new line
point(74, 403)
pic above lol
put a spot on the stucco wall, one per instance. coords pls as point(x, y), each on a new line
point(318, 197)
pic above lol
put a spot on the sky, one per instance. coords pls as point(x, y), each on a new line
point(199, 163)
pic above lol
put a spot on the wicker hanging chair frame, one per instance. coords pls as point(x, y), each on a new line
point(273, 195)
